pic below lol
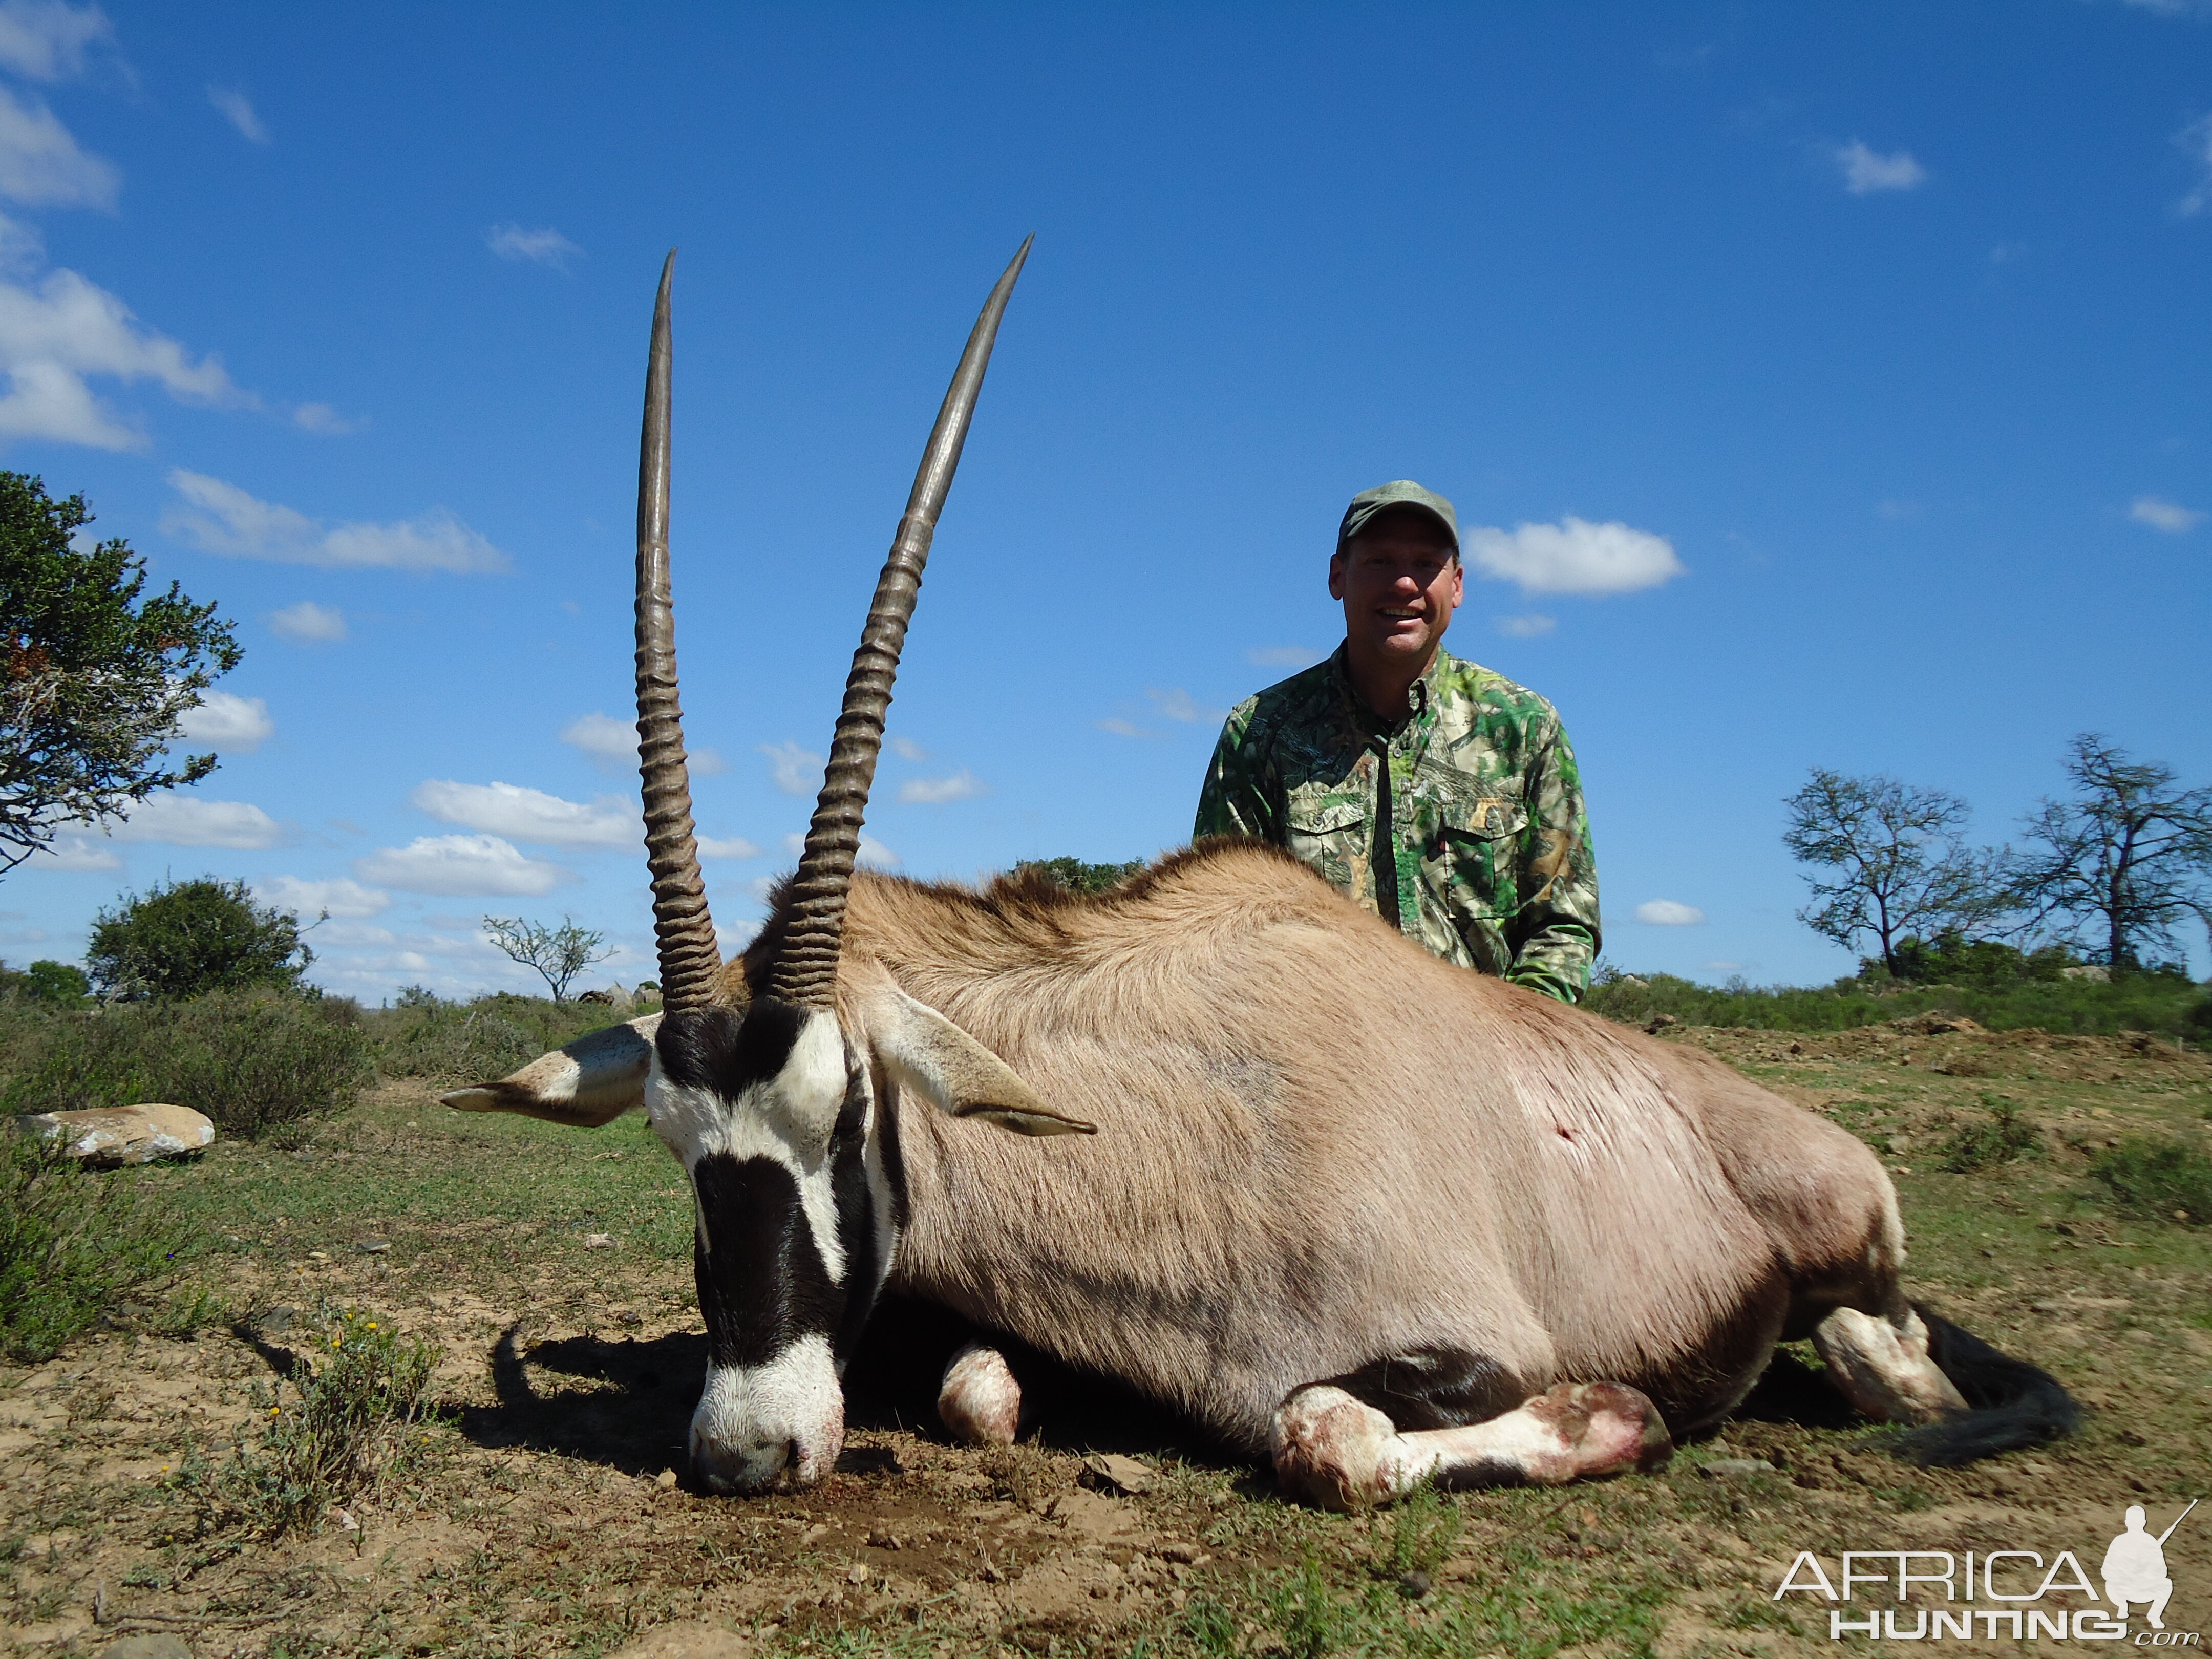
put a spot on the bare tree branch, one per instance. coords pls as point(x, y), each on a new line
point(558, 953)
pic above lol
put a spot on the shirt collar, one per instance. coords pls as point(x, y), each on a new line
point(1422, 694)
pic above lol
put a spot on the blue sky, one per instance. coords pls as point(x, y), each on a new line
point(1833, 380)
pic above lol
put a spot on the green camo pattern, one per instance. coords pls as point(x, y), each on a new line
point(1493, 847)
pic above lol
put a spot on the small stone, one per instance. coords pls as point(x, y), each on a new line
point(1187, 1554)
point(881, 1537)
point(1734, 1468)
point(272, 1321)
point(374, 1246)
point(318, 1255)
point(628, 1317)
point(1110, 1472)
point(162, 1645)
point(344, 1518)
point(857, 1573)
point(1658, 1023)
point(665, 1481)
point(1414, 1585)
point(599, 1241)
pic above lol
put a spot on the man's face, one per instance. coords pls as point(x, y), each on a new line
point(1399, 581)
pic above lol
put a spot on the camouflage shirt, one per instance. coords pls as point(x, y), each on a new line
point(1481, 841)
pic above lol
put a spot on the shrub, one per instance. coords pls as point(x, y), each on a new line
point(2157, 1180)
point(357, 1413)
point(424, 1036)
point(251, 1061)
point(2005, 1138)
point(50, 984)
point(193, 937)
point(71, 1244)
point(1077, 876)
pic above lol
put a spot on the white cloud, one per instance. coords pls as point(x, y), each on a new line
point(54, 334)
point(874, 855)
point(452, 864)
point(539, 247)
point(1121, 728)
point(307, 623)
point(236, 726)
point(612, 746)
point(1867, 171)
point(794, 770)
point(1283, 656)
point(74, 853)
point(1526, 628)
point(222, 518)
point(522, 814)
point(339, 895)
point(2165, 515)
point(40, 164)
point(731, 847)
point(963, 785)
point(2195, 141)
point(237, 110)
point(907, 748)
point(1666, 912)
point(189, 821)
point(46, 40)
point(1177, 704)
point(323, 421)
point(1573, 556)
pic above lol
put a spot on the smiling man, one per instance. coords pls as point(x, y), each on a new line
point(1426, 788)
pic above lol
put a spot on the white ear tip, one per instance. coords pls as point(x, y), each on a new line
point(471, 1100)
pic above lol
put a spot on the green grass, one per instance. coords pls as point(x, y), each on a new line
point(72, 1243)
point(2155, 1179)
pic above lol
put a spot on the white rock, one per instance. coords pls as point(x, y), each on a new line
point(106, 1136)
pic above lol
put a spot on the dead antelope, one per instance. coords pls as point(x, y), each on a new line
point(1322, 1192)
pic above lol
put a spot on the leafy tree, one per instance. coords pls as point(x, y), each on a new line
point(1951, 958)
point(191, 937)
point(56, 983)
point(1901, 867)
point(2123, 862)
point(558, 953)
point(93, 675)
point(1077, 876)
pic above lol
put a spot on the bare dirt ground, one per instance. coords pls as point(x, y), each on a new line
point(549, 1515)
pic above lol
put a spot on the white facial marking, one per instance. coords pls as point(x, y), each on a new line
point(754, 1423)
point(788, 1120)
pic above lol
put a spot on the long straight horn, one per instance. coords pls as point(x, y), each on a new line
point(690, 960)
point(805, 971)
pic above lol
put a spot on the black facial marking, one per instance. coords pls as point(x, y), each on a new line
point(722, 1051)
point(1435, 1388)
point(762, 1284)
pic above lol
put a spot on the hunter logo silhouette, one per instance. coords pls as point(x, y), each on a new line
point(2134, 1566)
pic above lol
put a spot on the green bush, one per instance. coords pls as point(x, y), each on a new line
point(71, 1244)
point(2005, 1138)
point(192, 937)
point(472, 1041)
point(2164, 1004)
point(356, 1412)
point(251, 1061)
point(2157, 1180)
point(52, 984)
point(1984, 964)
point(1077, 876)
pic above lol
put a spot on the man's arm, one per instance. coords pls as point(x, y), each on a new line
point(1234, 801)
point(1556, 934)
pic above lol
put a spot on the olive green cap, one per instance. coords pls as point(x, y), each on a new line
point(1399, 492)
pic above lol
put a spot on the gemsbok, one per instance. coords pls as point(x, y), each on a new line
point(1322, 1193)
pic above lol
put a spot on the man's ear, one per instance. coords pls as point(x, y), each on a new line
point(583, 1084)
point(1336, 575)
point(928, 1054)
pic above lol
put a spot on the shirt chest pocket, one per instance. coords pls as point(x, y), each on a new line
point(1476, 851)
point(1326, 832)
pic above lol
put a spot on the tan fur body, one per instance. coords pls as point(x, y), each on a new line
point(1319, 1147)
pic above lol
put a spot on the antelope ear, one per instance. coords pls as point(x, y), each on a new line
point(583, 1084)
point(928, 1054)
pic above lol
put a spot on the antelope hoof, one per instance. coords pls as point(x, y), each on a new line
point(980, 1403)
point(1331, 1450)
point(1883, 1369)
point(1603, 1429)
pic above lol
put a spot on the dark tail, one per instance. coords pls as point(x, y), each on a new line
point(2012, 1403)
